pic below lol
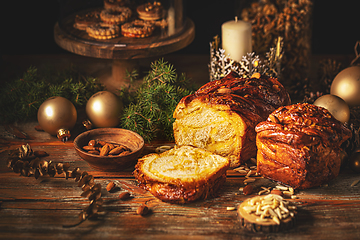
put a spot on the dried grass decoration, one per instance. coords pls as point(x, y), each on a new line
point(29, 163)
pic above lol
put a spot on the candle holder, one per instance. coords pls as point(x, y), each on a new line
point(222, 64)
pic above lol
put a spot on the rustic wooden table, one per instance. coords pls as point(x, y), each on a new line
point(43, 208)
point(40, 208)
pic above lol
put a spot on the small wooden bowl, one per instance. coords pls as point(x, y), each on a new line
point(110, 163)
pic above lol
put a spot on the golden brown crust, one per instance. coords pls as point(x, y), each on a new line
point(181, 194)
point(251, 100)
point(269, 91)
point(300, 145)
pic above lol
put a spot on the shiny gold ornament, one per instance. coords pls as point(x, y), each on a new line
point(104, 109)
point(87, 124)
point(56, 116)
point(346, 85)
point(354, 161)
point(335, 105)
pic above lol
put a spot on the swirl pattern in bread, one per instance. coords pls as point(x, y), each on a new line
point(221, 116)
point(181, 175)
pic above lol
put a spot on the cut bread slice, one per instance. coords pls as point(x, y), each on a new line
point(182, 174)
point(222, 124)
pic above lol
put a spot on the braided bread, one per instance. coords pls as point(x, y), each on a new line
point(221, 116)
point(299, 145)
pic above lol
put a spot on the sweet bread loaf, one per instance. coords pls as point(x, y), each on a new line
point(299, 146)
point(182, 174)
point(221, 116)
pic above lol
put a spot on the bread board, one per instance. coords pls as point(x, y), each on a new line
point(252, 222)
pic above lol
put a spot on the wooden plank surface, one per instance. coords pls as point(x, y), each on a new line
point(40, 208)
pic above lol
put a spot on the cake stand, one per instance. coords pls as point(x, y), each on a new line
point(123, 51)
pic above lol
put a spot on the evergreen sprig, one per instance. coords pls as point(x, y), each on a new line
point(20, 99)
point(150, 114)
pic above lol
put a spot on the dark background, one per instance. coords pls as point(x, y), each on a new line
point(27, 26)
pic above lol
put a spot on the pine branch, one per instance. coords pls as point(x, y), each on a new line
point(20, 99)
point(150, 114)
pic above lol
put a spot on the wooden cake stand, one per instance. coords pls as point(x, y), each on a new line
point(122, 50)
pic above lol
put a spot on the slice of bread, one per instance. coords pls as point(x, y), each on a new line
point(182, 174)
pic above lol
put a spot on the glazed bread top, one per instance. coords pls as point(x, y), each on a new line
point(264, 93)
point(182, 166)
point(264, 88)
point(303, 124)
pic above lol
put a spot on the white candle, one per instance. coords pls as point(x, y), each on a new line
point(236, 38)
point(171, 21)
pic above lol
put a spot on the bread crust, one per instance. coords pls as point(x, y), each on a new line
point(268, 90)
point(242, 103)
point(300, 146)
point(183, 194)
point(180, 189)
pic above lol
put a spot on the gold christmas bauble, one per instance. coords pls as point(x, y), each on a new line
point(104, 109)
point(346, 85)
point(335, 105)
point(57, 116)
point(354, 161)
